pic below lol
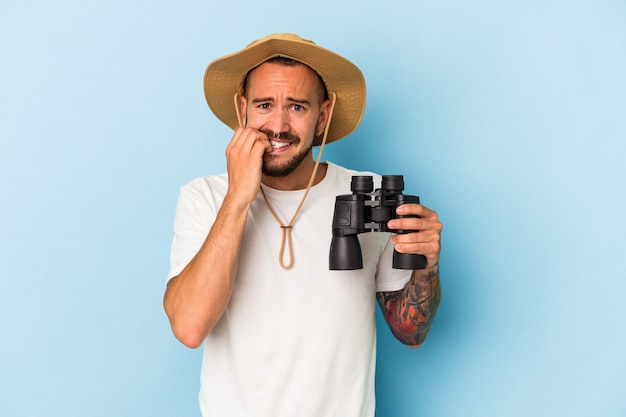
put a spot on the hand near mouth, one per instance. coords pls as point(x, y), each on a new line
point(244, 161)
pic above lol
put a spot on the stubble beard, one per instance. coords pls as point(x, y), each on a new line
point(273, 169)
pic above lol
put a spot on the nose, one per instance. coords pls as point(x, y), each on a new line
point(278, 122)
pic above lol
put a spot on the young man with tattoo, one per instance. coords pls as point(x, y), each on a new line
point(288, 336)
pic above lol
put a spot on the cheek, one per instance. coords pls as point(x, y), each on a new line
point(254, 118)
point(255, 121)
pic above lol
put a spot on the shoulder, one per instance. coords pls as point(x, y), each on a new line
point(346, 174)
point(203, 192)
point(206, 185)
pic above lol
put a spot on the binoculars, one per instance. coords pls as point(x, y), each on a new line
point(369, 210)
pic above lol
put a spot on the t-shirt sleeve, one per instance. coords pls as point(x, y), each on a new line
point(193, 220)
point(388, 278)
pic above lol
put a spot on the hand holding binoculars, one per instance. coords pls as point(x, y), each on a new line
point(369, 210)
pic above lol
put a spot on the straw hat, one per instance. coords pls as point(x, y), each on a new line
point(224, 78)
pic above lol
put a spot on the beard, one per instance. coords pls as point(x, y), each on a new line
point(272, 168)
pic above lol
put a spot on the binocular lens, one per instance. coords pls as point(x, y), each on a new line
point(362, 184)
point(393, 183)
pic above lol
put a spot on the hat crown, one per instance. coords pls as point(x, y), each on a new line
point(281, 37)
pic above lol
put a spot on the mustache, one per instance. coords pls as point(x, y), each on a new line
point(285, 136)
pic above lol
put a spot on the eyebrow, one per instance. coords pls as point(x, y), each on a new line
point(289, 99)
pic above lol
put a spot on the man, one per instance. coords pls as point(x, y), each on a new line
point(288, 338)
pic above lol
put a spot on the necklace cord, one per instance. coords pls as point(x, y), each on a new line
point(286, 229)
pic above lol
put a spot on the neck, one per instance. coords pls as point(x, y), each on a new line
point(299, 178)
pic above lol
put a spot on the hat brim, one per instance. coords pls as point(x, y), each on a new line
point(224, 78)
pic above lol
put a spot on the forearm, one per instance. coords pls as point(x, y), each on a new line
point(410, 312)
point(196, 299)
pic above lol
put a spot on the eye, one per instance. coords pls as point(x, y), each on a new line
point(297, 107)
point(264, 106)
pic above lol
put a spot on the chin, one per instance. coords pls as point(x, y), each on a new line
point(272, 168)
point(278, 171)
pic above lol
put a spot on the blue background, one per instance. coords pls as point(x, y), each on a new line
point(507, 117)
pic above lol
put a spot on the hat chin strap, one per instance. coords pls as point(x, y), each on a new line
point(286, 228)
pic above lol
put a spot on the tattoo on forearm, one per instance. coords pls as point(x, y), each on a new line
point(411, 311)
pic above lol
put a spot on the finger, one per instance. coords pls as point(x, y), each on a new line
point(429, 247)
point(407, 223)
point(415, 210)
point(247, 141)
point(264, 143)
point(244, 138)
point(429, 251)
point(259, 142)
point(415, 223)
point(237, 139)
point(417, 237)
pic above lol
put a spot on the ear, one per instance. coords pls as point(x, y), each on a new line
point(243, 106)
point(323, 118)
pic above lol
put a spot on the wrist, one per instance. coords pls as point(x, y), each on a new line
point(236, 203)
point(428, 274)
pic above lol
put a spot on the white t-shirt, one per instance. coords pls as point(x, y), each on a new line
point(298, 342)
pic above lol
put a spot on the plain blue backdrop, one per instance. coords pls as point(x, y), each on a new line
point(507, 117)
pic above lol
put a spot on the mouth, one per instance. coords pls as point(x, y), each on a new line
point(278, 145)
point(281, 142)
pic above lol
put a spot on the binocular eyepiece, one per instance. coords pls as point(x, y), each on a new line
point(369, 210)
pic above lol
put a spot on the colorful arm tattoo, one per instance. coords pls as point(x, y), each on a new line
point(410, 312)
